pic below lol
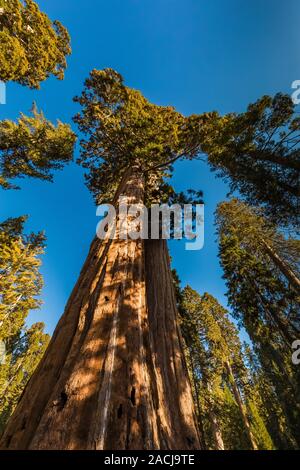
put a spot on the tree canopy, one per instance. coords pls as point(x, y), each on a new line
point(33, 147)
point(20, 288)
point(263, 298)
point(124, 129)
point(32, 47)
point(261, 267)
point(258, 153)
point(227, 413)
point(20, 280)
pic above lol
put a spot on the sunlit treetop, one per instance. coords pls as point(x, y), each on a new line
point(122, 128)
point(256, 151)
point(32, 47)
point(33, 147)
point(247, 225)
point(20, 279)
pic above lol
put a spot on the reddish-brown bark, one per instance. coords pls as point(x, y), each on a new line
point(114, 374)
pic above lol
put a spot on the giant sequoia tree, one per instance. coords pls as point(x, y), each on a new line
point(32, 47)
point(114, 374)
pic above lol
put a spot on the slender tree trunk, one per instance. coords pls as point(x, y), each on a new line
point(217, 434)
point(240, 404)
point(284, 268)
point(215, 427)
point(197, 401)
point(271, 311)
point(114, 375)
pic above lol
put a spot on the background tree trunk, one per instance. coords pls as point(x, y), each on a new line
point(197, 402)
point(114, 375)
point(240, 404)
point(284, 268)
point(217, 434)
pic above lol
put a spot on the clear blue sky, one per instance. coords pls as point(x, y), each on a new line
point(197, 55)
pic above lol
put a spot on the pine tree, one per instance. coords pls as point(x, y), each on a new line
point(258, 153)
point(219, 375)
point(23, 353)
point(253, 251)
point(263, 296)
point(32, 47)
point(20, 280)
point(20, 286)
point(218, 371)
point(267, 402)
point(33, 147)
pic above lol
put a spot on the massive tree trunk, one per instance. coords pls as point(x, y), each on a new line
point(114, 374)
point(240, 404)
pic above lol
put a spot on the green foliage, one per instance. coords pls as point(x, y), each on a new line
point(258, 153)
point(257, 288)
point(20, 286)
point(259, 428)
point(123, 129)
point(269, 403)
point(32, 47)
point(211, 341)
point(20, 280)
point(33, 147)
point(24, 352)
point(263, 301)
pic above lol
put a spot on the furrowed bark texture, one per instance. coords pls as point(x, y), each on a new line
point(114, 375)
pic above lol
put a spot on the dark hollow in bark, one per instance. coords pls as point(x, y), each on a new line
point(114, 375)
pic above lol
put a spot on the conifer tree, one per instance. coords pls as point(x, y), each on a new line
point(33, 147)
point(20, 280)
point(258, 153)
point(114, 374)
point(32, 47)
point(20, 287)
point(264, 398)
point(264, 297)
point(253, 252)
point(220, 377)
point(23, 353)
point(121, 318)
